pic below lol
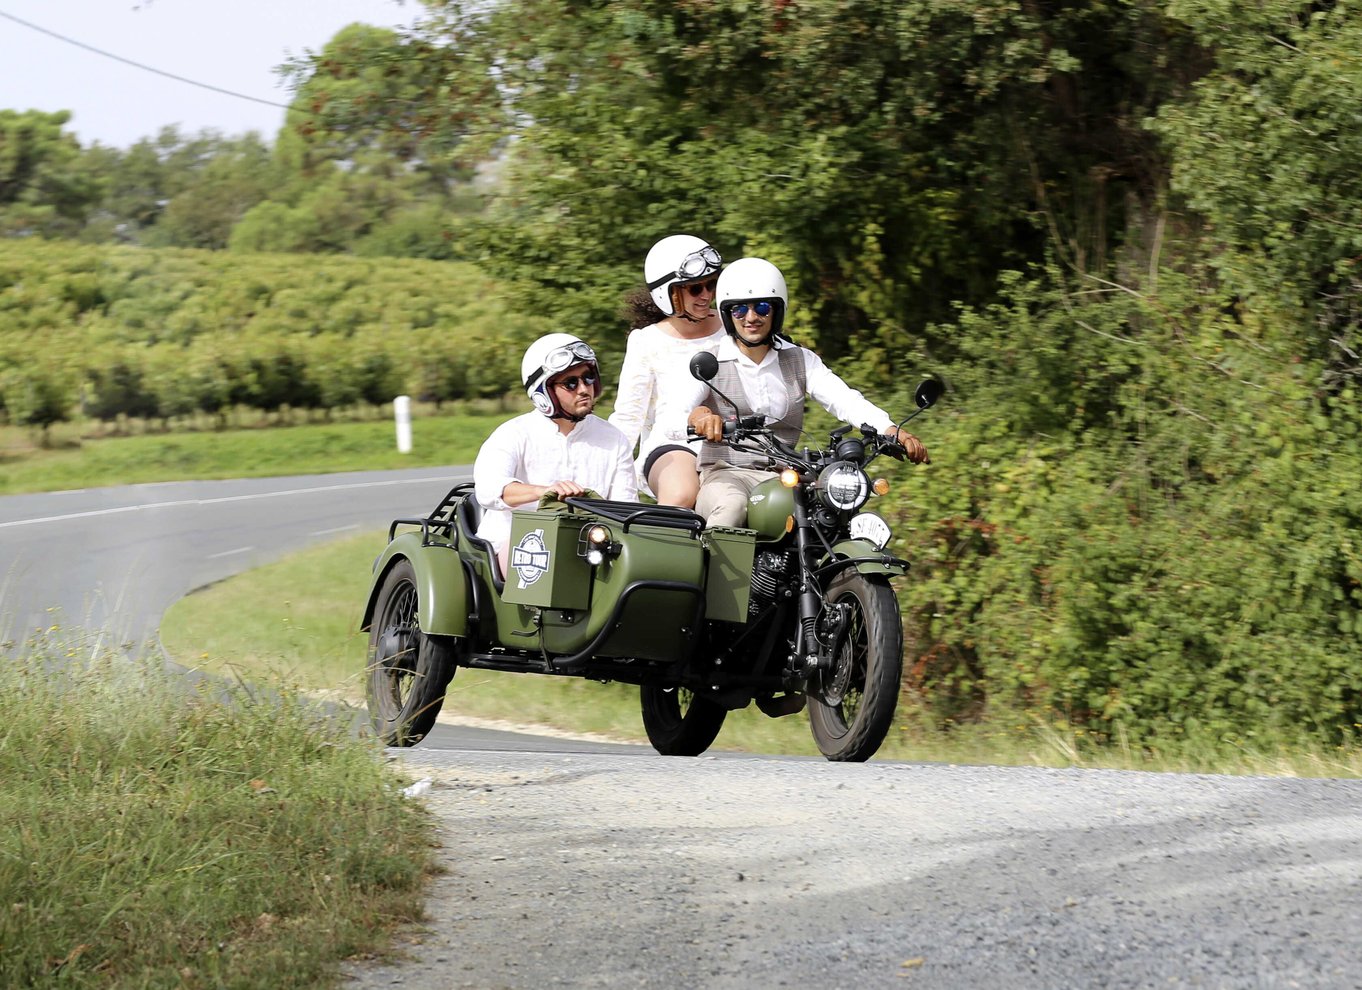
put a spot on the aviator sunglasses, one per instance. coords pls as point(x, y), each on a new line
point(762, 309)
point(570, 384)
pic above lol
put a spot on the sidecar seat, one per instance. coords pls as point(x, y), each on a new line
point(469, 517)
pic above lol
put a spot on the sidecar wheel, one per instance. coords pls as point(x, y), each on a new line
point(678, 722)
point(852, 708)
point(408, 671)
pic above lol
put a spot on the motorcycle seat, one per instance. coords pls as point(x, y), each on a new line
point(469, 516)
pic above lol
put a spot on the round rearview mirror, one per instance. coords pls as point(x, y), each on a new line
point(928, 392)
point(704, 366)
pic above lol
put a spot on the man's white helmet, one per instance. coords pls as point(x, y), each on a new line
point(676, 259)
point(750, 280)
point(546, 357)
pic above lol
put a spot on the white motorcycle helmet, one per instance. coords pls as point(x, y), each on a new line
point(752, 280)
point(546, 357)
point(674, 260)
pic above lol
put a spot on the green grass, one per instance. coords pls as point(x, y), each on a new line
point(148, 840)
point(75, 461)
point(298, 619)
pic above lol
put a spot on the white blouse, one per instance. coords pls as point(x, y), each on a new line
point(655, 372)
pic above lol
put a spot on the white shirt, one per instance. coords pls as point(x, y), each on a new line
point(656, 367)
point(765, 388)
point(529, 449)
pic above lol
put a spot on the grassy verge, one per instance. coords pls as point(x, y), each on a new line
point(150, 842)
point(82, 462)
point(298, 618)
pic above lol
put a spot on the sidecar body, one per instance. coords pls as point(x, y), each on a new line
point(590, 582)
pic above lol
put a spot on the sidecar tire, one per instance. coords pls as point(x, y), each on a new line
point(874, 644)
point(678, 722)
point(408, 671)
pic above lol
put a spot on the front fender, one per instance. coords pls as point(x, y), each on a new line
point(441, 584)
point(868, 560)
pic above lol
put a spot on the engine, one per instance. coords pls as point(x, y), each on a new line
point(770, 571)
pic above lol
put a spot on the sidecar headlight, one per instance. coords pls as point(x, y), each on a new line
point(594, 544)
point(843, 485)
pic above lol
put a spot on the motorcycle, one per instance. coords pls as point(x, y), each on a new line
point(795, 609)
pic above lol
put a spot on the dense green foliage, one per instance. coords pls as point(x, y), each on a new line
point(1126, 231)
point(128, 332)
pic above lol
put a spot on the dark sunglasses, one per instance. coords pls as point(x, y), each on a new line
point(570, 384)
point(695, 288)
point(762, 308)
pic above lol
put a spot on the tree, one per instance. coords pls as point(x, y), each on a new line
point(42, 188)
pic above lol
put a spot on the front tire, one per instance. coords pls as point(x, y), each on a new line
point(678, 722)
point(408, 670)
point(851, 707)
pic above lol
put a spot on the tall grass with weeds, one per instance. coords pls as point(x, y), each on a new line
point(150, 838)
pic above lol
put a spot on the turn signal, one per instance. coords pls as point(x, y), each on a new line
point(880, 486)
point(789, 477)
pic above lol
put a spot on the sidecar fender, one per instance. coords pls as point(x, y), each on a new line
point(441, 584)
point(862, 555)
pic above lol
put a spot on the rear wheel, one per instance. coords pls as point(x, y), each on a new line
point(851, 706)
point(678, 722)
point(408, 670)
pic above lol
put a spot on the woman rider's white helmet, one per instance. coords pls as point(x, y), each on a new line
point(750, 280)
point(674, 260)
point(546, 357)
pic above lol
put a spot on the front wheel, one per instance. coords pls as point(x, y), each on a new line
point(851, 705)
point(678, 722)
point(408, 670)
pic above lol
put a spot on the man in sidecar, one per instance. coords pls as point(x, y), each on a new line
point(765, 374)
point(561, 448)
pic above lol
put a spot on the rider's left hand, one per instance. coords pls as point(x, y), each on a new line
point(912, 447)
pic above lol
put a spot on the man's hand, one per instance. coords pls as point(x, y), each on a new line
point(563, 489)
point(706, 424)
point(913, 448)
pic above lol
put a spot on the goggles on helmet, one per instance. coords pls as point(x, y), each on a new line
point(697, 264)
point(563, 357)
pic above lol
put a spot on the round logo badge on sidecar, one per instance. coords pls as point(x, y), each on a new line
point(530, 558)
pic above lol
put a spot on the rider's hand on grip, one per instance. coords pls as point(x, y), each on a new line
point(704, 423)
point(905, 446)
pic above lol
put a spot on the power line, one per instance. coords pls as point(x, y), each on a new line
point(139, 65)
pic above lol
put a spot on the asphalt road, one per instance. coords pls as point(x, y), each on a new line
point(109, 561)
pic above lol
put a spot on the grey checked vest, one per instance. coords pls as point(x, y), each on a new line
point(788, 429)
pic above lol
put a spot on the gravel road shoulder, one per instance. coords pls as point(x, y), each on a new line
point(640, 871)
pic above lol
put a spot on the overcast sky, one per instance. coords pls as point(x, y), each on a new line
point(229, 44)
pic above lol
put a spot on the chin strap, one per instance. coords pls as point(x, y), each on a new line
point(568, 416)
point(688, 318)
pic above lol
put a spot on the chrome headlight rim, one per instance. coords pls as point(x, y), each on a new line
point(844, 486)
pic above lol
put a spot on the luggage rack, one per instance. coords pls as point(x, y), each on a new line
point(628, 513)
point(438, 527)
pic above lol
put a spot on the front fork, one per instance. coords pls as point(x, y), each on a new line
point(805, 661)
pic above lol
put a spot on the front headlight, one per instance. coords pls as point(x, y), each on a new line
point(844, 486)
point(595, 546)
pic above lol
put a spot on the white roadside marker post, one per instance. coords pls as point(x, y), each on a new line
point(402, 413)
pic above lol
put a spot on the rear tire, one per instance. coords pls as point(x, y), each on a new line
point(408, 670)
point(852, 706)
point(678, 722)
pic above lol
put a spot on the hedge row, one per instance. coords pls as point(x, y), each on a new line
point(117, 331)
